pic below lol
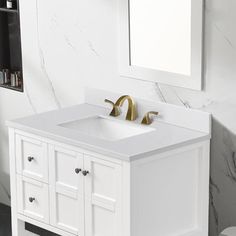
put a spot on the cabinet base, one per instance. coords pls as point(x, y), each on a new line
point(37, 230)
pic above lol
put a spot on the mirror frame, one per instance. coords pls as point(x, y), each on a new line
point(194, 81)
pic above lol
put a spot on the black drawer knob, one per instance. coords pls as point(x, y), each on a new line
point(85, 172)
point(31, 199)
point(77, 170)
point(30, 159)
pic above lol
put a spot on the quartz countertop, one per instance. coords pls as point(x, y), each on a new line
point(164, 137)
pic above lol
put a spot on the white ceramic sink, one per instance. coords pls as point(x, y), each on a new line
point(106, 128)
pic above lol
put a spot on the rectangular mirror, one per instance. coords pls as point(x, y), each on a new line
point(161, 41)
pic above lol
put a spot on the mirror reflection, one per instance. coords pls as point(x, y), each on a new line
point(160, 35)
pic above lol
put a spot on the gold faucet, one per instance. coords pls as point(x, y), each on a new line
point(132, 111)
point(146, 119)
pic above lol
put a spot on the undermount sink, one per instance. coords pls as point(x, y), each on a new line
point(106, 128)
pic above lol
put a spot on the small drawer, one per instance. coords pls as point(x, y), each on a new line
point(31, 158)
point(33, 199)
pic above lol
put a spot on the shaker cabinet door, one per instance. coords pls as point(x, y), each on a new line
point(66, 190)
point(67, 210)
point(102, 197)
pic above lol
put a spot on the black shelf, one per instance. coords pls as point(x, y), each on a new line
point(8, 86)
point(4, 9)
point(10, 42)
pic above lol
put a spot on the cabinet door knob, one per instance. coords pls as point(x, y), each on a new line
point(77, 170)
point(30, 159)
point(85, 172)
point(31, 199)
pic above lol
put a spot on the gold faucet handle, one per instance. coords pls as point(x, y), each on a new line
point(146, 119)
point(109, 101)
point(115, 111)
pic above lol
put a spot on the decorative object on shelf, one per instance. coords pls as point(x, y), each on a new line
point(18, 79)
point(6, 76)
point(13, 80)
point(1, 78)
point(11, 4)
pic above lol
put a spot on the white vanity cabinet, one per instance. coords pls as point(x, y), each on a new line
point(71, 191)
point(77, 171)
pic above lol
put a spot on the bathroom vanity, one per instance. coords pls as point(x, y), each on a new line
point(78, 171)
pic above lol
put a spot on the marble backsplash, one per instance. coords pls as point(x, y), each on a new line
point(68, 46)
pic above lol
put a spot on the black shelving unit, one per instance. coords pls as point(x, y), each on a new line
point(10, 42)
point(4, 9)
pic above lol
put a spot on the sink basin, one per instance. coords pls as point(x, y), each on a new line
point(106, 128)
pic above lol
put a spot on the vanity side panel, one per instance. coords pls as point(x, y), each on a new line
point(169, 193)
point(18, 226)
point(126, 199)
point(14, 221)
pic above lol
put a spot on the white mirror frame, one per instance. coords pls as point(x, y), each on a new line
point(194, 81)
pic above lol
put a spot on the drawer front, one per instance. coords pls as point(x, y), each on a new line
point(33, 199)
point(31, 158)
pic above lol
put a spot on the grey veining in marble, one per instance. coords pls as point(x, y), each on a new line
point(223, 179)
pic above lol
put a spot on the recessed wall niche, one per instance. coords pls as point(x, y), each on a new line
point(11, 74)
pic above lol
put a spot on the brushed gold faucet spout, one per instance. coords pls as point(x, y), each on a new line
point(131, 112)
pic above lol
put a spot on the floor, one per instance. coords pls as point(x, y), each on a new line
point(5, 220)
point(5, 224)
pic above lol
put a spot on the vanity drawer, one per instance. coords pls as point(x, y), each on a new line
point(33, 199)
point(31, 158)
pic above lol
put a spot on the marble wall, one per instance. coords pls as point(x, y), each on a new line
point(70, 45)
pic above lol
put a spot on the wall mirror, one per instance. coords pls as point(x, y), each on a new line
point(161, 41)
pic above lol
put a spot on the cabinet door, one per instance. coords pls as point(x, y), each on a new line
point(31, 158)
point(66, 190)
point(102, 197)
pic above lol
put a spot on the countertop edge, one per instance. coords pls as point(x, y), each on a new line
point(122, 157)
point(54, 137)
point(172, 147)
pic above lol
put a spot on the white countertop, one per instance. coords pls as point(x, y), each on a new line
point(165, 137)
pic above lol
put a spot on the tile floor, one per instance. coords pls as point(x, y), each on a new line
point(5, 220)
